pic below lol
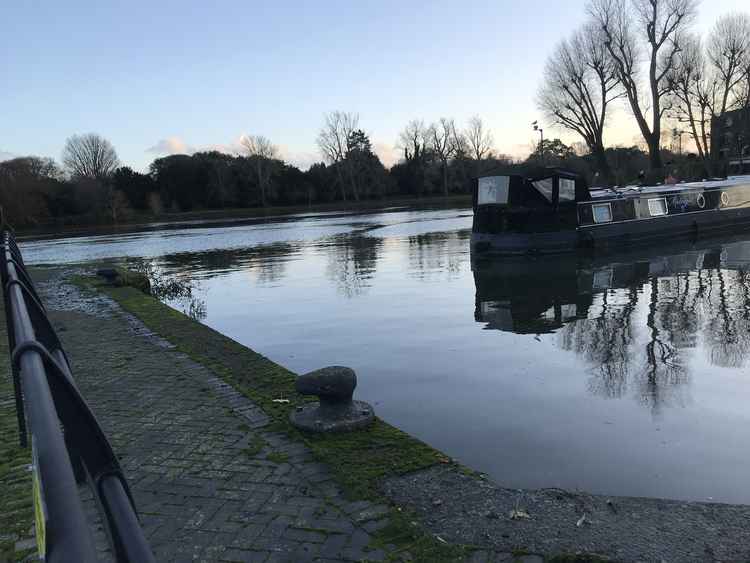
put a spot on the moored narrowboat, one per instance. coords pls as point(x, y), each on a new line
point(553, 211)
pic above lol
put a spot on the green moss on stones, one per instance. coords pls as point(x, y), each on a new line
point(277, 457)
point(360, 460)
point(413, 543)
point(16, 508)
point(129, 278)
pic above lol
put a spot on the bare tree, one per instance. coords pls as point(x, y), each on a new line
point(705, 84)
point(638, 32)
point(333, 142)
point(580, 80)
point(728, 53)
point(89, 156)
point(262, 152)
point(479, 141)
point(441, 137)
point(690, 93)
point(414, 140)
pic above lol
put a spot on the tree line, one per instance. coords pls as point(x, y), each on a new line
point(91, 186)
point(645, 54)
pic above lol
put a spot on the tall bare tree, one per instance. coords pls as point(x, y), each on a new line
point(580, 80)
point(89, 156)
point(638, 32)
point(262, 152)
point(414, 140)
point(441, 137)
point(333, 142)
point(690, 93)
point(728, 52)
point(705, 83)
point(479, 141)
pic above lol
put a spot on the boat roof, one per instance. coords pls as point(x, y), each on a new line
point(619, 191)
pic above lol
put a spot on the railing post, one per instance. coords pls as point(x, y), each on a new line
point(67, 442)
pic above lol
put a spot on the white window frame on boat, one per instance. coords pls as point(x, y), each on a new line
point(566, 190)
point(660, 212)
point(608, 206)
point(493, 190)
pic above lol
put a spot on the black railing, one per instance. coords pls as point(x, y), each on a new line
point(68, 445)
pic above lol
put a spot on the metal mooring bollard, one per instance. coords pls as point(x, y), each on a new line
point(336, 411)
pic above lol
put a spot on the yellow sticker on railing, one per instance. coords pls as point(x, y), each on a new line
point(40, 509)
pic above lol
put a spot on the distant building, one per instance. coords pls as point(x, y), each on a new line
point(730, 141)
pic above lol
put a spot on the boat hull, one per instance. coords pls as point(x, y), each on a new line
point(697, 225)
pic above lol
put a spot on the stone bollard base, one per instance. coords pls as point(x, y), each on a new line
point(354, 416)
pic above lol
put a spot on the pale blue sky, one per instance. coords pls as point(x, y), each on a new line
point(200, 74)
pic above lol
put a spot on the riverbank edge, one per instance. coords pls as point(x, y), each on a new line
point(360, 461)
point(141, 220)
point(365, 463)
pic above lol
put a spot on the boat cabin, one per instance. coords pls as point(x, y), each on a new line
point(552, 210)
point(544, 200)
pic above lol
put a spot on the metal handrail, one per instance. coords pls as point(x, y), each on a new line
point(68, 444)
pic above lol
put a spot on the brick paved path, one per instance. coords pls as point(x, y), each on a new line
point(210, 480)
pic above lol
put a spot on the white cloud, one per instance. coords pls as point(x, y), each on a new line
point(171, 145)
point(387, 153)
point(301, 159)
point(6, 155)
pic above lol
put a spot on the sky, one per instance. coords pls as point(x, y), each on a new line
point(163, 77)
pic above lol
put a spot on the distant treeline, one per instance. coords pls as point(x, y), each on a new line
point(91, 188)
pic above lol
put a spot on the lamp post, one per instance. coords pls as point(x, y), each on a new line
point(677, 134)
point(536, 127)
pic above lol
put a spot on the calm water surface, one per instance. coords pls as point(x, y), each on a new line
point(619, 375)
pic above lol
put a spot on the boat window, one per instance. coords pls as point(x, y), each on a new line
point(603, 278)
point(493, 190)
point(567, 189)
point(544, 187)
point(602, 212)
point(657, 206)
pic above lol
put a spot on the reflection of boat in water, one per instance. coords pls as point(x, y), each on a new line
point(539, 295)
point(637, 320)
point(552, 211)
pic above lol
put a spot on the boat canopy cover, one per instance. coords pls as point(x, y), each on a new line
point(530, 186)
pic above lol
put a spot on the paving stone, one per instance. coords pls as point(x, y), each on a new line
point(182, 436)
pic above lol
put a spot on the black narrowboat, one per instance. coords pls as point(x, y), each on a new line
point(553, 211)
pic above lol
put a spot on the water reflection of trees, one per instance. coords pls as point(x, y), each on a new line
point(352, 260)
point(712, 304)
point(438, 253)
point(728, 331)
point(645, 321)
point(268, 261)
point(604, 340)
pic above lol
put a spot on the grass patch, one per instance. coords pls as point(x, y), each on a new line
point(277, 457)
point(254, 447)
point(408, 536)
point(16, 508)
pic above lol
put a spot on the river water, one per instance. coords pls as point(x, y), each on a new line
point(620, 375)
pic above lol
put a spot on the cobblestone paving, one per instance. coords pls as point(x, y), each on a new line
point(210, 479)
